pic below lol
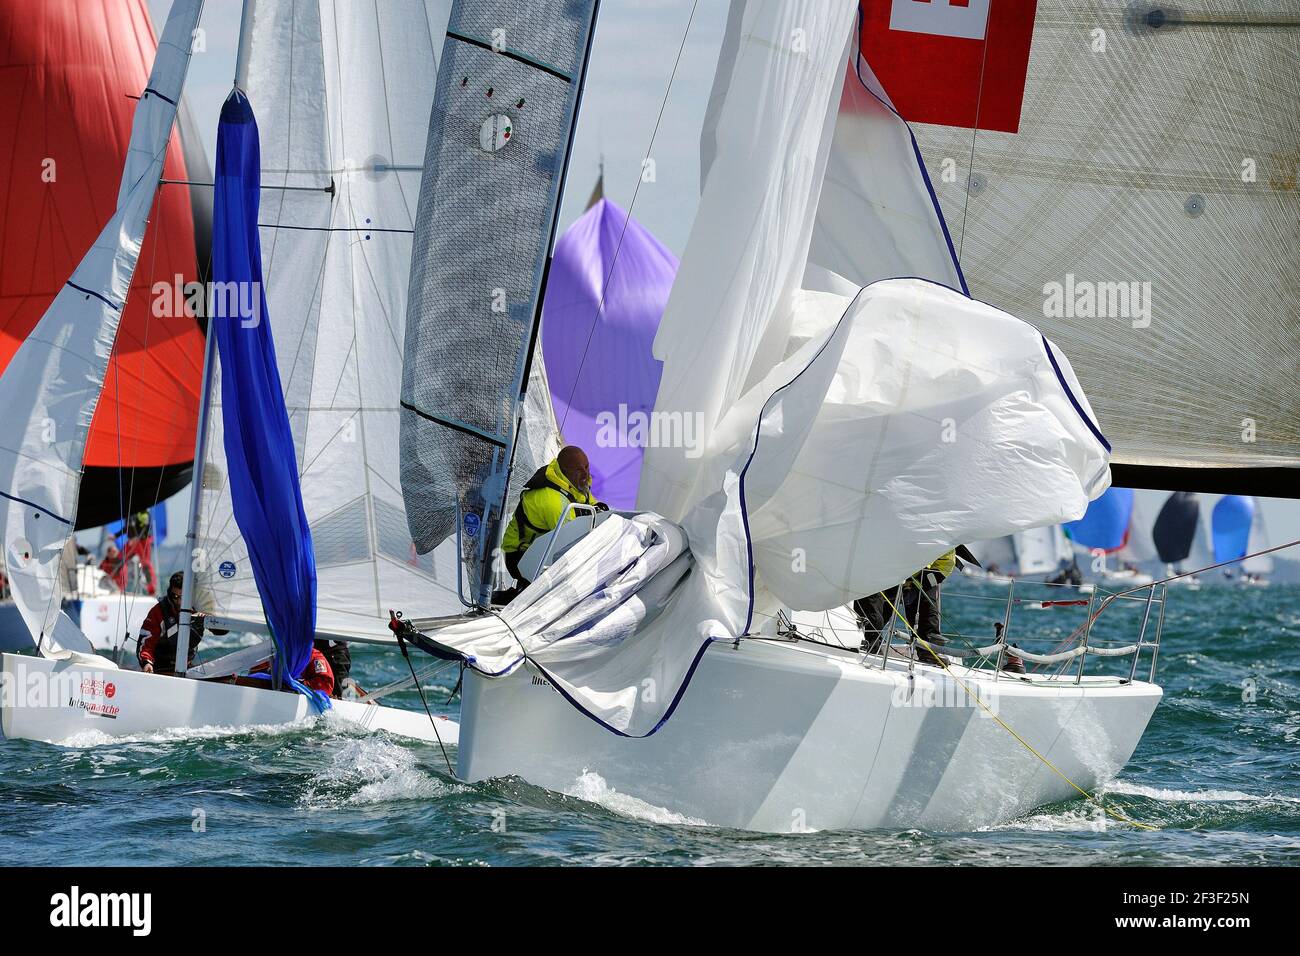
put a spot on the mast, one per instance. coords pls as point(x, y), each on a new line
point(465, 424)
point(205, 407)
point(483, 597)
point(196, 502)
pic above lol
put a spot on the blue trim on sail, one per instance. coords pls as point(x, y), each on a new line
point(1047, 347)
point(32, 504)
point(108, 302)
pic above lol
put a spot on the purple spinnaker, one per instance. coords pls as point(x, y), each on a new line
point(603, 374)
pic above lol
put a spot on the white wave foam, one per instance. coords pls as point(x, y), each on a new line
point(1194, 796)
point(1078, 818)
point(94, 738)
point(372, 769)
point(591, 786)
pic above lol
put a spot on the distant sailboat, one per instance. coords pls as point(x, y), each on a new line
point(1175, 533)
point(1238, 530)
point(1107, 531)
point(1025, 553)
point(262, 472)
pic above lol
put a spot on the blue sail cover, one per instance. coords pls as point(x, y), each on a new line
point(261, 462)
point(1230, 527)
point(609, 283)
point(1104, 526)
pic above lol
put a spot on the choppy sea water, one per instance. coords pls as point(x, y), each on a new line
point(1218, 773)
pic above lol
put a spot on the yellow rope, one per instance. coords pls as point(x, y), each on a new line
point(1005, 726)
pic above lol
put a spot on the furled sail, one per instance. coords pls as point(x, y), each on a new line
point(606, 292)
point(334, 85)
point(1123, 175)
point(503, 114)
point(52, 385)
point(262, 470)
point(70, 73)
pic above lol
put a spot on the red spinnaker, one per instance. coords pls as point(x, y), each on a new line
point(68, 73)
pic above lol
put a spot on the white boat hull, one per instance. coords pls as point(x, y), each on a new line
point(60, 700)
point(784, 737)
point(110, 621)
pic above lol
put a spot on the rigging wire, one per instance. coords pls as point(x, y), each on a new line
point(401, 643)
point(604, 289)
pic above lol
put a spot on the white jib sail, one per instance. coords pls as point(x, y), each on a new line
point(51, 387)
point(342, 93)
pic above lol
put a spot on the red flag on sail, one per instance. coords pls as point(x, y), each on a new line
point(951, 62)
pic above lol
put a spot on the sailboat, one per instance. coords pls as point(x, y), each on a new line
point(66, 72)
point(662, 649)
point(1175, 533)
point(68, 689)
point(1023, 554)
point(1107, 533)
point(1237, 524)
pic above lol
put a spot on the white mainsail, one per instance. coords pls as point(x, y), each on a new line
point(342, 91)
point(1144, 215)
point(52, 385)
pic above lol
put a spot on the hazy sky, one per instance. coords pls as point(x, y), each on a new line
point(628, 80)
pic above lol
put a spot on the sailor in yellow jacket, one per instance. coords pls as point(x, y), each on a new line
point(566, 480)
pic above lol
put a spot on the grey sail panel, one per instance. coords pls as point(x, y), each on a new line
point(1164, 165)
point(499, 135)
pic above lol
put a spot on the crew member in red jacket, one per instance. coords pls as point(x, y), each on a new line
point(139, 545)
point(317, 675)
point(156, 647)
